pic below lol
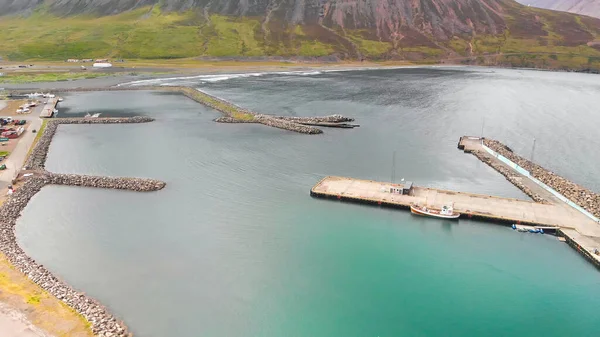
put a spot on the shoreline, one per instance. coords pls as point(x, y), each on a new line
point(102, 323)
point(117, 76)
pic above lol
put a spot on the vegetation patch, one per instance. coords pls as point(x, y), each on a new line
point(41, 308)
point(222, 106)
point(15, 78)
point(39, 134)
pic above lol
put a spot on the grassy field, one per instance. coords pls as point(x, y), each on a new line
point(15, 78)
point(39, 134)
point(224, 107)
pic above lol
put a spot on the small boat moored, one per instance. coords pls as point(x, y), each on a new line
point(447, 211)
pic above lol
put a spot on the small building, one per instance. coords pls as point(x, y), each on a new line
point(102, 60)
point(402, 189)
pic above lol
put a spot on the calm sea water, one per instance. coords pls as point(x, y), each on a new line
point(235, 246)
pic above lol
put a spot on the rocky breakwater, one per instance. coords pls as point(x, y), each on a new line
point(37, 157)
point(287, 125)
point(236, 114)
point(325, 119)
point(102, 323)
point(120, 183)
point(580, 195)
point(511, 176)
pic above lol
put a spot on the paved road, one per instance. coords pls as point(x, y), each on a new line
point(15, 161)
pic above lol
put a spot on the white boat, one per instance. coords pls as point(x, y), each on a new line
point(96, 115)
point(60, 99)
point(55, 111)
point(447, 211)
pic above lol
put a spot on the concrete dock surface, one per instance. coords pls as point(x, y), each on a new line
point(48, 108)
point(505, 209)
point(581, 232)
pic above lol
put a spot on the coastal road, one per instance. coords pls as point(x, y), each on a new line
point(17, 157)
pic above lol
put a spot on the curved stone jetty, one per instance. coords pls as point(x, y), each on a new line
point(580, 195)
point(102, 323)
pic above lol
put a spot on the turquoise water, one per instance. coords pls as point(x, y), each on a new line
point(235, 246)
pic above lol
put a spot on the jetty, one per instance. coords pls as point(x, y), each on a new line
point(549, 209)
point(49, 107)
point(470, 205)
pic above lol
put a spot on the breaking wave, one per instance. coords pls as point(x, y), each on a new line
point(191, 80)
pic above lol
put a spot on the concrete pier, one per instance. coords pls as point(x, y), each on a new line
point(470, 205)
point(48, 109)
point(581, 232)
point(582, 229)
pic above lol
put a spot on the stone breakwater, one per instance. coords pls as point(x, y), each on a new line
point(237, 114)
point(326, 119)
point(120, 183)
point(510, 176)
point(580, 195)
point(102, 323)
point(37, 157)
point(234, 113)
point(287, 125)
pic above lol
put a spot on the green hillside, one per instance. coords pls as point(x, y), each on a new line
point(532, 37)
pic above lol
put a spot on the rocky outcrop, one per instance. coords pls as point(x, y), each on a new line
point(580, 195)
point(102, 323)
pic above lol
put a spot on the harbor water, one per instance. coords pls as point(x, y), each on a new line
point(235, 246)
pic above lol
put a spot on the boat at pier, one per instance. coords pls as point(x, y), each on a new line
point(447, 211)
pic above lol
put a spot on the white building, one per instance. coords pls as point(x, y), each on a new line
point(102, 65)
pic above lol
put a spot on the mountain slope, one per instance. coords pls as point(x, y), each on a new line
point(585, 7)
point(480, 31)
